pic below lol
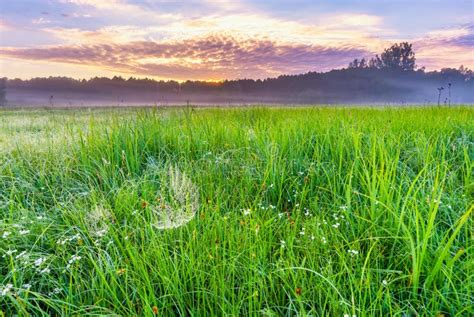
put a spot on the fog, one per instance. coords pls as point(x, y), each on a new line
point(345, 86)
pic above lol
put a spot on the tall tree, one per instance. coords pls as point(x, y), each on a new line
point(399, 56)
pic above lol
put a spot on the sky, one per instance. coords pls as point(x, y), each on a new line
point(222, 39)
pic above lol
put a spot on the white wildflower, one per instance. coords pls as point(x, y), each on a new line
point(353, 252)
point(60, 241)
point(9, 252)
point(5, 290)
point(246, 212)
point(282, 243)
point(384, 282)
point(21, 255)
point(55, 291)
point(74, 258)
point(46, 270)
point(26, 286)
point(23, 232)
point(39, 261)
point(101, 233)
point(6, 234)
point(336, 225)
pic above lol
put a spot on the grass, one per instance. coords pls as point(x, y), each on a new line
point(295, 211)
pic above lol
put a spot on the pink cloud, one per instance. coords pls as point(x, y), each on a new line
point(211, 57)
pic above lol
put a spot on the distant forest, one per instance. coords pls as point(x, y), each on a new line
point(392, 77)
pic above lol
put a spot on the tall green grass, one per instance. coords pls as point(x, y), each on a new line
point(309, 211)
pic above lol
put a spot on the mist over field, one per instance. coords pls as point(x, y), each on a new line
point(346, 86)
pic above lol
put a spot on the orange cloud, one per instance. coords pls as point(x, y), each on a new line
point(212, 57)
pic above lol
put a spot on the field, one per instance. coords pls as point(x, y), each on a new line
point(242, 211)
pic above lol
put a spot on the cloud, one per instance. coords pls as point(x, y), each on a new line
point(463, 36)
point(99, 4)
point(115, 8)
point(215, 39)
point(347, 29)
point(227, 55)
point(41, 21)
point(211, 57)
point(446, 48)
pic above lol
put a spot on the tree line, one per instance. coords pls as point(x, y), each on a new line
point(391, 77)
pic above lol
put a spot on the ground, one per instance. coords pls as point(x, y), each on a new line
point(242, 211)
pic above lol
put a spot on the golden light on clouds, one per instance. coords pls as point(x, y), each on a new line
point(231, 41)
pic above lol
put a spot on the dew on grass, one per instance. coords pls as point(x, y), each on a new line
point(179, 204)
point(97, 221)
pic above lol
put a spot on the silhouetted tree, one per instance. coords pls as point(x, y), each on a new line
point(466, 72)
point(356, 63)
point(3, 91)
point(398, 56)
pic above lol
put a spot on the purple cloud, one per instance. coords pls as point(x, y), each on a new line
point(215, 57)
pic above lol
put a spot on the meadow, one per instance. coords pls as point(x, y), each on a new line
point(315, 211)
